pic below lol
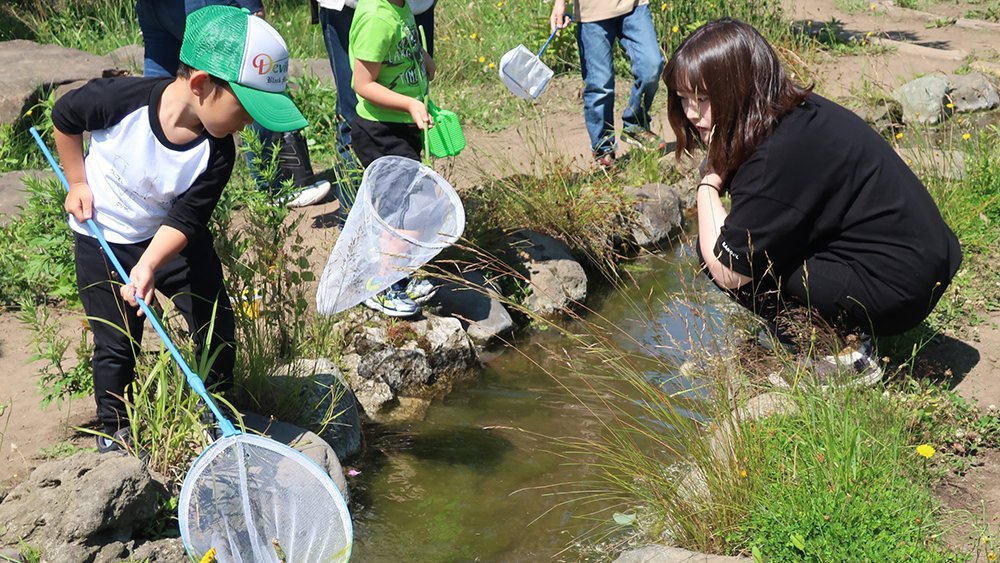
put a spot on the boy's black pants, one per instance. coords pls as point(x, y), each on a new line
point(193, 280)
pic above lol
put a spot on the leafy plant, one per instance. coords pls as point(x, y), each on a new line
point(57, 382)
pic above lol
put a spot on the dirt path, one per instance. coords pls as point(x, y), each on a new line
point(555, 127)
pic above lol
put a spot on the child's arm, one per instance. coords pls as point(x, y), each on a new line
point(365, 74)
point(166, 243)
point(79, 200)
point(429, 65)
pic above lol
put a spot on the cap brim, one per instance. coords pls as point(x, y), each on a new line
point(274, 110)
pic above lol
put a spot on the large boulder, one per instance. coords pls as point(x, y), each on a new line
point(13, 195)
point(85, 507)
point(476, 303)
point(325, 393)
point(557, 281)
point(923, 99)
point(420, 359)
point(658, 215)
point(30, 67)
point(972, 92)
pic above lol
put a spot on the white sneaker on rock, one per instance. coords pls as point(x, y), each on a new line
point(420, 290)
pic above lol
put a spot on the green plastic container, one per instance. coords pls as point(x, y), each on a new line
point(445, 138)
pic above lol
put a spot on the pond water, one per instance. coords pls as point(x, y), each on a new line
point(478, 479)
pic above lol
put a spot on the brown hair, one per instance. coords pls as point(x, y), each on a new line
point(749, 91)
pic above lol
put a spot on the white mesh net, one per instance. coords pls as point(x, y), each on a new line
point(524, 74)
point(405, 214)
point(256, 500)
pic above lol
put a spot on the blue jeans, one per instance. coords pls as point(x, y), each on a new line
point(162, 25)
point(336, 26)
point(595, 40)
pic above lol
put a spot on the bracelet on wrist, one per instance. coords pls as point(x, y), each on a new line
point(713, 186)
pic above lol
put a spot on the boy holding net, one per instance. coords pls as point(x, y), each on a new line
point(161, 151)
point(391, 70)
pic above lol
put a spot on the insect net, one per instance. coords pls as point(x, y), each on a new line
point(255, 500)
point(524, 74)
point(405, 214)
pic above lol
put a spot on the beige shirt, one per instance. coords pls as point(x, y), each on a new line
point(598, 10)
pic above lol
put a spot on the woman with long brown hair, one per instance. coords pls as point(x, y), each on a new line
point(824, 214)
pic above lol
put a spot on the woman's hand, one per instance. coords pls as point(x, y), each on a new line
point(558, 19)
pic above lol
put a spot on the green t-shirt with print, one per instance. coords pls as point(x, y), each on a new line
point(385, 33)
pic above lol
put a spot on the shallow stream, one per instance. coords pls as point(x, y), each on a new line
point(477, 479)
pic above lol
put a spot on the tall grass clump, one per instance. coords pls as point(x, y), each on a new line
point(95, 26)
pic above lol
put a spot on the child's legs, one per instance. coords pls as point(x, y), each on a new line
point(426, 20)
point(162, 25)
point(638, 38)
point(193, 280)
point(115, 346)
point(336, 32)
point(595, 40)
point(374, 139)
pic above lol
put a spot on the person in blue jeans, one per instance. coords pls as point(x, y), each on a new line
point(335, 17)
point(599, 24)
point(162, 25)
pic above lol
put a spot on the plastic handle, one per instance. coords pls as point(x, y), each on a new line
point(193, 380)
point(551, 37)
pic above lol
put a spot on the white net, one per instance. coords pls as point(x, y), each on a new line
point(524, 74)
point(405, 214)
point(255, 500)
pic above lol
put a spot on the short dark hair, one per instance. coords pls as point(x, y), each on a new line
point(184, 71)
point(749, 91)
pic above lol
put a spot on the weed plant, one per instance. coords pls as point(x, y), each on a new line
point(96, 26)
point(57, 381)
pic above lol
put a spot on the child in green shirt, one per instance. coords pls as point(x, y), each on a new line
point(391, 70)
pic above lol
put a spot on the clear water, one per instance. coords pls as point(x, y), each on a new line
point(478, 479)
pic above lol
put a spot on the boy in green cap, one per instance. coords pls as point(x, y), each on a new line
point(391, 70)
point(161, 151)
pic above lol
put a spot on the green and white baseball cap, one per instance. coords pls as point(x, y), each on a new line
point(244, 50)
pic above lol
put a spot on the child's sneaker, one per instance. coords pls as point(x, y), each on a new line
point(394, 303)
point(420, 290)
point(644, 138)
point(859, 356)
point(120, 441)
point(309, 195)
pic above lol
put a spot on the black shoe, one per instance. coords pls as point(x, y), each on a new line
point(120, 441)
point(293, 159)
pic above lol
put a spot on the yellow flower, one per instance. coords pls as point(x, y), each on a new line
point(28, 113)
point(869, 34)
point(209, 556)
point(949, 105)
point(743, 473)
point(473, 36)
point(492, 66)
point(482, 59)
point(675, 29)
point(925, 450)
point(899, 135)
point(966, 136)
point(872, 7)
point(992, 556)
point(663, 7)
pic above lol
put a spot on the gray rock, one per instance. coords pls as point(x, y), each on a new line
point(169, 550)
point(129, 57)
point(923, 99)
point(401, 369)
point(476, 303)
point(556, 279)
point(972, 92)
point(11, 555)
point(318, 382)
point(317, 68)
point(30, 67)
point(13, 196)
point(71, 507)
point(658, 214)
point(665, 554)
point(450, 351)
point(302, 440)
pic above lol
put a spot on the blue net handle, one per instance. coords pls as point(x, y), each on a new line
point(227, 427)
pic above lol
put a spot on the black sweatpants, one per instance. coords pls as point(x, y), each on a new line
point(193, 280)
point(374, 139)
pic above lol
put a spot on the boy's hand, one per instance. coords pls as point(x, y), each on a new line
point(418, 111)
point(558, 19)
point(141, 283)
point(80, 201)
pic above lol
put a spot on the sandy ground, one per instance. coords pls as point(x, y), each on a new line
point(918, 48)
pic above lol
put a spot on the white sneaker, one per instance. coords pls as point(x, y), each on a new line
point(420, 289)
point(393, 303)
point(309, 195)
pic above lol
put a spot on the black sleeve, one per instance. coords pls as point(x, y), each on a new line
point(761, 230)
point(192, 210)
point(101, 103)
